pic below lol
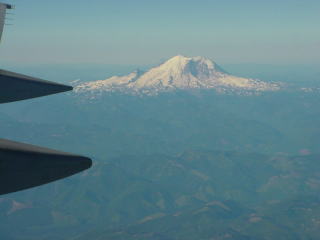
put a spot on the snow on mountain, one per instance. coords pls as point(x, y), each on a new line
point(177, 73)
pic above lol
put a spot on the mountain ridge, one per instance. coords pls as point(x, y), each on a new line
point(178, 73)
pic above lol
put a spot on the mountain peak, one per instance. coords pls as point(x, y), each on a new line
point(183, 61)
point(178, 72)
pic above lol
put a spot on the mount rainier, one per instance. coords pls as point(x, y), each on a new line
point(177, 73)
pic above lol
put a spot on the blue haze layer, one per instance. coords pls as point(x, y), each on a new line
point(146, 32)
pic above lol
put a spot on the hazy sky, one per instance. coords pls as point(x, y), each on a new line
point(147, 31)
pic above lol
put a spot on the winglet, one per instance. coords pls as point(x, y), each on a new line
point(3, 10)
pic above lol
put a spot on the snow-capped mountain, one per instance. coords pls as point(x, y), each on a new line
point(177, 73)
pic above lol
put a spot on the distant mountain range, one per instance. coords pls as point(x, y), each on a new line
point(177, 73)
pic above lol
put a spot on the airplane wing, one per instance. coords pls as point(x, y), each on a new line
point(24, 166)
point(15, 87)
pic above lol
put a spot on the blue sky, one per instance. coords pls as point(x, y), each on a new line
point(146, 32)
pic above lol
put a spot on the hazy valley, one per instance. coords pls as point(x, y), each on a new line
point(189, 163)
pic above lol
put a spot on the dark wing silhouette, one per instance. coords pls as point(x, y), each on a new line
point(24, 166)
point(15, 87)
